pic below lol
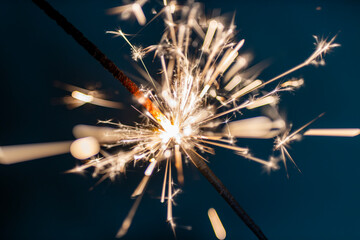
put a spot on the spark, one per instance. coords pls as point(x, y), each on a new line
point(293, 83)
point(258, 127)
point(333, 132)
point(27, 152)
point(323, 46)
point(138, 53)
point(283, 141)
point(80, 96)
point(216, 224)
point(81, 148)
point(84, 148)
point(134, 8)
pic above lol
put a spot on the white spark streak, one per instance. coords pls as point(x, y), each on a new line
point(141, 187)
point(127, 222)
point(333, 132)
point(216, 224)
point(233, 83)
point(269, 100)
point(209, 35)
point(139, 14)
point(241, 63)
point(102, 134)
point(150, 168)
point(295, 83)
point(82, 96)
point(258, 127)
point(21, 153)
point(178, 164)
point(246, 89)
point(135, 8)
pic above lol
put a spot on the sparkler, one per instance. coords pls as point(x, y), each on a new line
point(201, 83)
point(345, 132)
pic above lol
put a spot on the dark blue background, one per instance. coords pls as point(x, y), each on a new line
point(38, 201)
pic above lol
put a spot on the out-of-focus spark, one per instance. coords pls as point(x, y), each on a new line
point(141, 187)
point(102, 134)
point(294, 83)
point(80, 96)
point(94, 100)
point(269, 100)
point(164, 182)
point(225, 62)
point(233, 83)
point(139, 14)
point(258, 127)
point(151, 167)
point(178, 164)
point(216, 224)
point(246, 89)
point(21, 153)
point(133, 8)
point(84, 148)
point(333, 132)
point(129, 218)
point(240, 64)
point(209, 35)
point(81, 149)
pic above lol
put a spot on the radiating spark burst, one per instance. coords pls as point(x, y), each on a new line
point(191, 108)
point(202, 86)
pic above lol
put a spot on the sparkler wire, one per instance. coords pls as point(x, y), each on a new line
point(92, 49)
point(225, 193)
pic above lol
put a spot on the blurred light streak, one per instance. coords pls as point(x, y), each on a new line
point(333, 132)
point(216, 223)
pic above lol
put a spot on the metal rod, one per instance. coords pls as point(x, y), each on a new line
point(225, 193)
